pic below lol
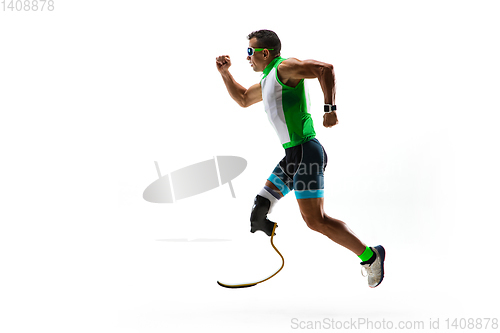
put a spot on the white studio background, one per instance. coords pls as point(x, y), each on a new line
point(93, 92)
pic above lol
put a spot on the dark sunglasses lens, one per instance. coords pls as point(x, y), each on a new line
point(250, 51)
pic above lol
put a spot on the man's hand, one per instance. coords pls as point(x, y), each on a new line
point(223, 63)
point(330, 119)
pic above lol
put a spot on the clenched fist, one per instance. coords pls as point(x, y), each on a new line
point(223, 63)
point(330, 119)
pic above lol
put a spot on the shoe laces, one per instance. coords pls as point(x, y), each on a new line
point(367, 269)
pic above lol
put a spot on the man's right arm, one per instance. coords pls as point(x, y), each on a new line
point(244, 97)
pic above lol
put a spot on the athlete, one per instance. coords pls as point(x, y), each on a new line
point(286, 101)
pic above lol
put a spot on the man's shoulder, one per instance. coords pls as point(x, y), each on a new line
point(285, 71)
point(289, 62)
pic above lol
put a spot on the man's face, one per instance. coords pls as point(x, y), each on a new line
point(259, 60)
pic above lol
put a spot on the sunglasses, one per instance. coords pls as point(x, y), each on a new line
point(252, 50)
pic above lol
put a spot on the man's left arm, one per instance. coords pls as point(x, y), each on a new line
point(294, 69)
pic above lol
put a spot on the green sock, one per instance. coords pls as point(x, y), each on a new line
point(365, 256)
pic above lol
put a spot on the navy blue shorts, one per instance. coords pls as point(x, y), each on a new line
point(302, 169)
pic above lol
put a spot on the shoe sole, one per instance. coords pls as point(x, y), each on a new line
point(381, 251)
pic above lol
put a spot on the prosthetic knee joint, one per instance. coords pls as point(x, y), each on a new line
point(258, 218)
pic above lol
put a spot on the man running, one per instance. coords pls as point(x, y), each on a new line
point(286, 101)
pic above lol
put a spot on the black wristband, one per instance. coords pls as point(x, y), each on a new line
point(330, 108)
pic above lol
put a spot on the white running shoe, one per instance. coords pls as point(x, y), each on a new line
point(375, 270)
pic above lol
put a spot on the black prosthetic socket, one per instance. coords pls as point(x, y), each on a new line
point(258, 218)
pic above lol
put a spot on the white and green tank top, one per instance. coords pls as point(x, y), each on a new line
point(287, 107)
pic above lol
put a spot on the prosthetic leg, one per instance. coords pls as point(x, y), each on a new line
point(259, 221)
